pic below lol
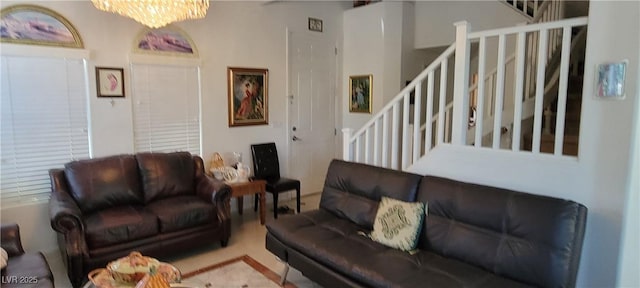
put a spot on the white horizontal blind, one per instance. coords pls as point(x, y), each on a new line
point(44, 124)
point(166, 108)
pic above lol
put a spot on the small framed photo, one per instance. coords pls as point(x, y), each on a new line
point(361, 93)
point(315, 24)
point(110, 82)
point(248, 90)
point(611, 77)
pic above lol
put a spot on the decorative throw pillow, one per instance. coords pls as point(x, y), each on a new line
point(398, 224)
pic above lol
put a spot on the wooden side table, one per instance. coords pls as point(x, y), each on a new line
point(240, 189)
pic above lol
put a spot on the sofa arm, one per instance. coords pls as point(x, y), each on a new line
point(216, 192)
point(66, 217)
point(11, 239)
point(64, 213)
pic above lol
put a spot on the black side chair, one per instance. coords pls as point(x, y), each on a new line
point(267, 167)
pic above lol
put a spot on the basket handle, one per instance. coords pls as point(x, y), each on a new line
point(94, 273)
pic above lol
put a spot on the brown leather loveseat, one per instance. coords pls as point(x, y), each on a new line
point(155, 203)
point(472, 236)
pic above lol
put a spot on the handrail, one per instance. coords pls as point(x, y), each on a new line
point(411, 86)
point(578, 21)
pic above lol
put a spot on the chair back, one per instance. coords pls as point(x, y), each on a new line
point(265, 161)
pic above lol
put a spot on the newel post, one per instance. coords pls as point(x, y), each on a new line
point(346, 144)
point(461, 85)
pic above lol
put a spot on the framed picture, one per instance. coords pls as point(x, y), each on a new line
point(110, 82)
point(248, 96)
point(36, 25)
point(360, 91)
point(315, 24)
point(610, 83)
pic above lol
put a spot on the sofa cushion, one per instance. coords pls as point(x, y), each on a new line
point(166, 174)
point(526, 237)
point(398, 223)
point(119, 224)
point(352, 191)
point(338, 244)
point(177, 213)
point(104, 182)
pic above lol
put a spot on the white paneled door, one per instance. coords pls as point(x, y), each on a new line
point(312, 88)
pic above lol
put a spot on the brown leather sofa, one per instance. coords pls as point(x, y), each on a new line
point(155, 203)
point(473, 235)
point(23, 269)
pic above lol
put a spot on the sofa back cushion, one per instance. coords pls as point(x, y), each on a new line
point(100, 183)
point(529, 238)
point(353, 191)
point(166, 174)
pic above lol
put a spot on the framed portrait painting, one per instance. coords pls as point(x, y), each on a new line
point(248, 96)
point(110, 82)
point(360, 93)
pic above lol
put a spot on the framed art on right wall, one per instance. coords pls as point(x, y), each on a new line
point(360, 93)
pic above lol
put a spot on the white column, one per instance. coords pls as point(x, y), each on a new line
point(346, 144)
point(461, 85)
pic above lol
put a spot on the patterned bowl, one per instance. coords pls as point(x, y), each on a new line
point(133, 268)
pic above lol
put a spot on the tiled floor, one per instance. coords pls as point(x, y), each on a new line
point(247, 237)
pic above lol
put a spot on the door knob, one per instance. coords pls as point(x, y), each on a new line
point(295, 138)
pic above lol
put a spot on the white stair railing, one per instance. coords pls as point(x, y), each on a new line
point(391, 140)
point(532, 102)
point(547, 11)
point(550, 11)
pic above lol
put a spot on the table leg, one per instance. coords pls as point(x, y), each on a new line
point(240, 201)
point(262, 204)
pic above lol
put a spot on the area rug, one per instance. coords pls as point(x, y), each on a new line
point(241, 272)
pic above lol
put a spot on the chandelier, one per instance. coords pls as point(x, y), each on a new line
point(155, 13)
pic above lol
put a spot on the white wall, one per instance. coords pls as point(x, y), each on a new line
point(434, 19)
point(238, 33)
point(388, 39)
point(630, 247)
point(363, 50)
point(378, 40)
point(600, 177)
point(413, 60)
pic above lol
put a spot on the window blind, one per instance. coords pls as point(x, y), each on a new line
point(43, 124)
point(166, 108)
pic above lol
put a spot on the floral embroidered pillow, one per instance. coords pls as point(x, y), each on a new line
point(398, 224)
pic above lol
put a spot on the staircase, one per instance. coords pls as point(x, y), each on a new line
point(507, 105)
point(528, 8)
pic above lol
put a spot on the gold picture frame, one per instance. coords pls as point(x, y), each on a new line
point(248, 91)
point(37, 25)
point(360, 93)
